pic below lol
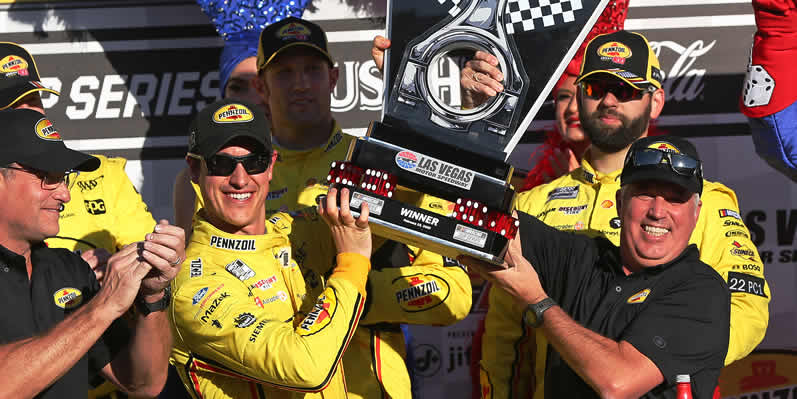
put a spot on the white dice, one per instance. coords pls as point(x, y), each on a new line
point(759, 86)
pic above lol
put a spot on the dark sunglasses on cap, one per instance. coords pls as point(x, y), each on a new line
point(224, 165)
point(598, 88)
point(681, 164)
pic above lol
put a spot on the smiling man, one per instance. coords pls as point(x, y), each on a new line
point(624, 322)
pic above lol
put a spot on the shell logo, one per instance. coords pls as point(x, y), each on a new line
point(68, 298)
point(640, 296)
point(14, 63)
point(46, 130)
point(294, 31)
point(233, 113)
point(616, 51)
point(606, 204)
point(666, 147)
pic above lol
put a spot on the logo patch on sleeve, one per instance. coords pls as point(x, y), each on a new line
point(68, 298)
point(420, 292)
point(563, 193)
point(640, 296)
point(321, 314)
point(745, 283)
point(729, 213)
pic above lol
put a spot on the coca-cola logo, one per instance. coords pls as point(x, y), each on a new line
point(684, 79)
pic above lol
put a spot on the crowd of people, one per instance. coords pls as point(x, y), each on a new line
point(267, 285)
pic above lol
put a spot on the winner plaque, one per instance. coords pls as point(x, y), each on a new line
point(430, 142)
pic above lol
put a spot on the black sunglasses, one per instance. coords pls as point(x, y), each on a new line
point(598, 88)
point(224, 165)
point(680, 163)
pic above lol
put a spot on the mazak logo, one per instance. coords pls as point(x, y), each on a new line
point(46, 131)
point(419, 216)
point(89, 185)
point(95, 207)
point(233, 113)
point(213, 307)
point(406, 160)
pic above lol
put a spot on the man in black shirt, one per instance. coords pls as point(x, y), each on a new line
point(57, 326)
point(623, 322)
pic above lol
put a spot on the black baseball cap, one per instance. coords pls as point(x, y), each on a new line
point(683, 167)
point(287, 33)
point(35, 142)
point(18, 74)
point(625, 55)
point(219, 123)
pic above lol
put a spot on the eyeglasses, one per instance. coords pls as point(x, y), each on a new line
point(224, 165)
point(597, 89)
point(50, 181)
point(680, 163)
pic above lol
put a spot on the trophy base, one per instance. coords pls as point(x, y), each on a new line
point(419, 227)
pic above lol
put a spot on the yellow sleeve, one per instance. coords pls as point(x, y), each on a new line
point(431, 291)
point(131, 215)
point(725, 244)
point(229, 333)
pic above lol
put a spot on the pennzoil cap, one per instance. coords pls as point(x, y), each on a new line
point(222, 121)
point(626, 55)
point(18, 74)
point(290, 32)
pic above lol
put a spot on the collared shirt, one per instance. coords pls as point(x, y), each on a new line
point(60, 283)
point(676, 314)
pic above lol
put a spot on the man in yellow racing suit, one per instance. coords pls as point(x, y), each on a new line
point(244, 326)
point(583, 201)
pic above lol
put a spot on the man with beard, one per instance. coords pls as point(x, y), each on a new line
point(619, 93)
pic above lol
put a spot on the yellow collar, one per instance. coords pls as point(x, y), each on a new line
point(208, 235)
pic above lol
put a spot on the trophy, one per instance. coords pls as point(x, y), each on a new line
point(428, 142)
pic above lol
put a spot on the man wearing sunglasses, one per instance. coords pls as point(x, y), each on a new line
point(245, 325)
point(59, 327)
point(626, 321)
point(619, 93)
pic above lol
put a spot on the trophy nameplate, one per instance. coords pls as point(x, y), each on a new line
point(427, 141)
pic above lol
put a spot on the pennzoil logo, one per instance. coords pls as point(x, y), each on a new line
point(420, 292)
point(68, 298)
point(666, 147)
point(321, 315)
point(294, 31)
point(233, 113)
point(46, 131)
point(14, 65)
point(615, 51)
point(640, 296)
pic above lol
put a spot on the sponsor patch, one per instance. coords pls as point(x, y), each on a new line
point(435, 169)
point(95, 207)
point(283, 256)
point(258, 329)
point(561, 193)
point(578, 226)
point(46, 131)
point(68, 298)
point(240, 269)
point(736, 233)
point(732, 223)
point(745, 283)
point(615, 51)
point(233, 113)
point(233, 244)
point(607, 204)
point(615, 223)
point(332, 143)
point(639, 297)
point(294, 31)
point(572, 210)
point(666, 147)
point(281, 296)
point(244, 320)
point(375, 205)
point(321, 314)
point(199, 296)
point(214, 306)
point(14, 65)
point(266, 283)
point(729, 213)
point(421, 292)
point(743, 251)
point(470, 235)
point(196, 267)
point(89, 185)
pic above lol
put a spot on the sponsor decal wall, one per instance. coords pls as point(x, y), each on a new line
point(131, 74)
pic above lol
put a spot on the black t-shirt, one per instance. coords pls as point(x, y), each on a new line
point(677, 314)
point(60, 283)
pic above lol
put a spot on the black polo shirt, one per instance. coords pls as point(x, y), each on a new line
point(677, 314)
point(60, 283)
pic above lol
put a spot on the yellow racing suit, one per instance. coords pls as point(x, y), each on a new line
point(106, 212)
point(584, 202)
point(407, 284)
point(244, 326)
